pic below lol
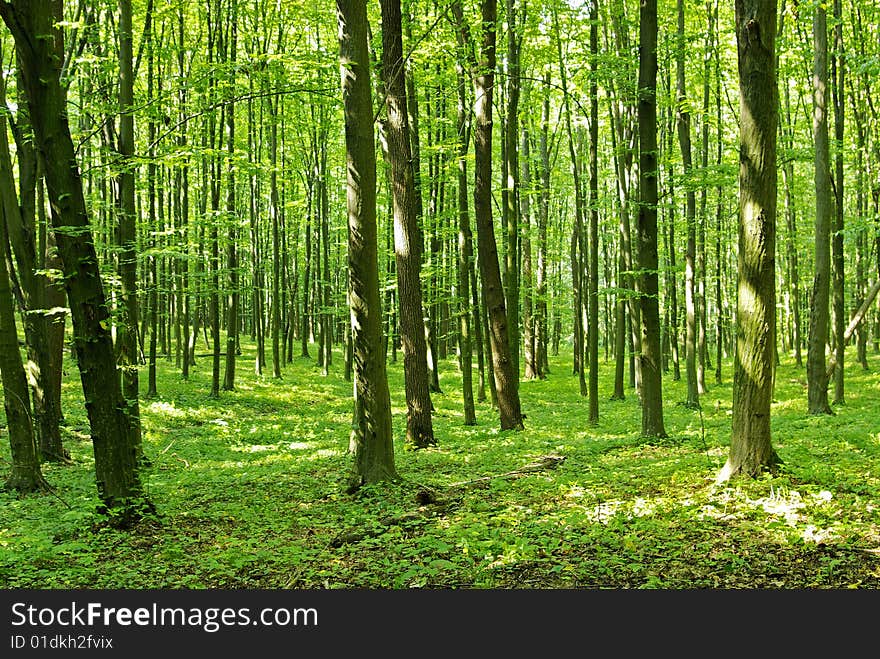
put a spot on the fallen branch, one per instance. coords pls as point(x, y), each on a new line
point(854, 323)
point(543, 463)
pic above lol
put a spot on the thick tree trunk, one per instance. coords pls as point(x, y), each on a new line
point(127, 330)
point(750, 449)
point(41, 298)
point(371, 442)
point(112, 429)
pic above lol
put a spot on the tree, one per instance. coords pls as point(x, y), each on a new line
point(231, 209)
point(817, 380)
point(371, 441)
point(465, 253)
point(838, 77)
point(506, 378)
point(26, 475)
point(650, 358)
point(684, 141)
point(127, 337)
point(593, 269)
point(407, 235)
point(40, 297)
point(751, 450)
point(116, 468)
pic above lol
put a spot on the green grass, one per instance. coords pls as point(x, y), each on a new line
point(248, 490)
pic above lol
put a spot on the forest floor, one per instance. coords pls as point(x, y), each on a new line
point(248, 491)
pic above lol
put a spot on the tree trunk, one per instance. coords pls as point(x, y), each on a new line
point(112, 430)
point(750, 448)
point(26, 475)
point(529, 351)
point(837, 91)
point(593, 269)
point(231, 209)
point(541, 333)
point(649, 359)
point(506, 381)
point(512, 185)
point(127, 332)
point(42, 299)
point(684, 141)
point(817, 382)
point(407, 234)
point(465, 255)
point(371, 442)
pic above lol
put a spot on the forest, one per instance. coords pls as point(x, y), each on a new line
point(440, 294)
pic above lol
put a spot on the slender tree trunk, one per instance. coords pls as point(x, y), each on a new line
point(702, 298)
point(837, 91)
point(127, 332)
point(684, 141)
point(529, 348)
point(232, 321)
point(751, 450)
point(506, 381)
point(817, 382)
point(541, 333)
point(512, 184)
point(651, 372)
point(157, 229)
point(274, 214)
point(593, 269)
point(26, 475)
point(791, 244)
point(407, 234)
point(465, 254)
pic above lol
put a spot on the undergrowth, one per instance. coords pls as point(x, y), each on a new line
point(248, 490)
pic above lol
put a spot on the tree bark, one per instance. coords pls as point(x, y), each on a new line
point(371, 442)
point(112, 429)
point(817, 382)
point(127, 329)
point(465, 254)
point(690, 296)
point(506, 381)
point(593, 269)
point(751, 450)
point(407, 233)
point(651, 372)
point(837, 91)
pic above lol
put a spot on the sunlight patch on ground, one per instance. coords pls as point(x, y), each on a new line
point(161, 407)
